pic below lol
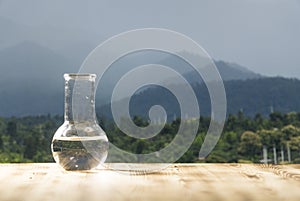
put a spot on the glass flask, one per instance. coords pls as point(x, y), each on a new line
point(79, 143)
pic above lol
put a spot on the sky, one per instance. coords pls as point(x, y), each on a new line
point(262, 35)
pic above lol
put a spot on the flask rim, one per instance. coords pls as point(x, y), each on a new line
point(81, 76)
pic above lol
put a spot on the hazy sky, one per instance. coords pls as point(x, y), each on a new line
point(263, 35)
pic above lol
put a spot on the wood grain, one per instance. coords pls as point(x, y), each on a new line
point(178, 182)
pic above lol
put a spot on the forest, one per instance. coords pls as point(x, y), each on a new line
point(28, 139)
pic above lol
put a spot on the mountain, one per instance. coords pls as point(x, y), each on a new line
point(263, 95)
point(228, 71)
point(31, 79)
point(252, 96)
point(71, 43)
point(232, 71)
point(11, 32)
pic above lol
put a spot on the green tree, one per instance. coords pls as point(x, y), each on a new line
point(290, 131)
point(272, 137)
point(250, 146)
point(11, 129)
point(276, 119)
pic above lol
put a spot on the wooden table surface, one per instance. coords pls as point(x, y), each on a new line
point(177, 182)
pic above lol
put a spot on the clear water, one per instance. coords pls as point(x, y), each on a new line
point(80, 153)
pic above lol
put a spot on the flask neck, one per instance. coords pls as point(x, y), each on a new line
point(80, 98)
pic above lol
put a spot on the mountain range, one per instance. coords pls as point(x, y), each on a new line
point(31, 83)
point(252, 96)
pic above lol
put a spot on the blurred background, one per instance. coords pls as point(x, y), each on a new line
point(254, 43)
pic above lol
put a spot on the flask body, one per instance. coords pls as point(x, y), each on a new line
point(79, 143)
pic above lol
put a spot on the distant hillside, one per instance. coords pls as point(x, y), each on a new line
point(11, 32)
point(31, 79)
point(232, 71)
point(263, 95)
point(228, 71)
point(251, 96)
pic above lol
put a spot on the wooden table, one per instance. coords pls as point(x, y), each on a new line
point(178, 182)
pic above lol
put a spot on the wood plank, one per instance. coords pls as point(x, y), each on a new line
point(177, 182)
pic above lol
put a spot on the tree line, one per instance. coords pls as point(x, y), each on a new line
point(28, 139)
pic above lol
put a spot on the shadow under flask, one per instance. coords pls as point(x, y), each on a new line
point(79, 143)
